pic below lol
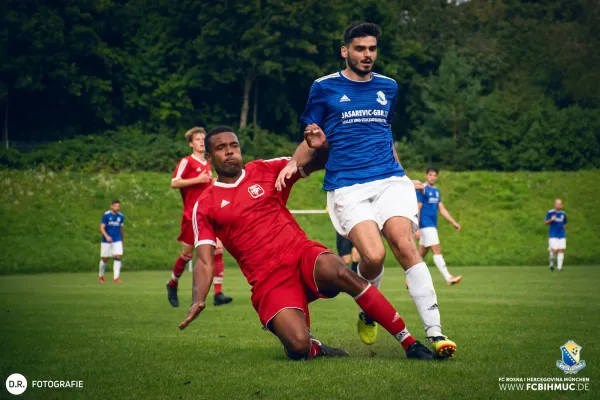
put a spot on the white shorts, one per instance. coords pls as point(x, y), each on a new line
point(429, 237)
point(557, 244)
point(372, 201)
point(111, 249)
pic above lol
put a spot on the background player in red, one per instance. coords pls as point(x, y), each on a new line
point(192, 176)
point(285, 269)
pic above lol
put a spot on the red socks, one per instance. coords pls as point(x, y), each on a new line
point(218, 273)
point(379, 308)
point(178, 269)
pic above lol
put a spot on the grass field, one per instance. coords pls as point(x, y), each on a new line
point(50, 220)
point(122, 340)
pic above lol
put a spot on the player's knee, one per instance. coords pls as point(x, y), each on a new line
point(373, 257)
point(116, 257)
point(297, 346)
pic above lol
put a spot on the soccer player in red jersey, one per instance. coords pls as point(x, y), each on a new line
point(192, 176)
point(285, 269)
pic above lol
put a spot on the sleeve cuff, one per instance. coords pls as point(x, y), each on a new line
point(201, 242)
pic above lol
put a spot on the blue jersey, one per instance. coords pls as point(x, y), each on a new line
point(429, 210)
point(113, 224)
point(557, 227)
point(356, 119)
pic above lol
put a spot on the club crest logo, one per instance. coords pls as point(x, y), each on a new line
point(381, 98)
point(256, 191)
point(570, 363)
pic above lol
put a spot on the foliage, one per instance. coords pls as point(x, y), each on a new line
point(503, 85)
point(132, 150)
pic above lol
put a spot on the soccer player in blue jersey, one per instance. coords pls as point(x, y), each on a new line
point(111, 227)
point(350, 113)
point(557, 235)
point(429, 204)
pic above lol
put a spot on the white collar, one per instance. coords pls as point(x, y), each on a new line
point(232, 185)
point(201, 161)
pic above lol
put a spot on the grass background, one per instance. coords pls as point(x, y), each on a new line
point(123, 341)
point(50, 220)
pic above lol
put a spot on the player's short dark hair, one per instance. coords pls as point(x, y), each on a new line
point(432, 169)
point(214, 131)
point(361, 29)
point(115, 202)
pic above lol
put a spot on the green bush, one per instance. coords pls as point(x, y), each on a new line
point(132, 150)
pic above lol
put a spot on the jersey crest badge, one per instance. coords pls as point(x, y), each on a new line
point(381, 98)
point(256, 191)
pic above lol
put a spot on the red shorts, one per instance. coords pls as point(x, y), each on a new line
point(186, 236)
point(297, 290)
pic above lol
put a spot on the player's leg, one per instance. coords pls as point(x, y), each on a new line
point(560, 256)
point(344, 248)
point(331, 277)
point(355, 259)
point(104, 256)
point(186, 237)
point(117, 252)
point(440, 263)
point(423, 250)
point(289, 325)
point(352, 215)
point(396, 208)
point(398, 231)
point(552, 253)
point(219, 271)
point(366, 238)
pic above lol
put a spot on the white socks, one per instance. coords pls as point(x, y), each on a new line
point(438, 259)
point(551, 259)
point(116, 268)
point(559, 260)
point(102, 268)
point(375, 282)
point(420, 288)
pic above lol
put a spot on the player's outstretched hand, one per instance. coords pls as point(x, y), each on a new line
point(314, 136)
point(457, 226)
point(419, 186)
point(195, 310)
point(286, 173)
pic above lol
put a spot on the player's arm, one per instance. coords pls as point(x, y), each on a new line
point(103, 231)
point(178, 183)
point(446, 214)
point(122, 234)
point(317, 163)
point(549, 219)
point(202, 279)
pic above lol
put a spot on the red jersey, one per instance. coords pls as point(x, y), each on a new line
point(251, 219)
point(190, 167)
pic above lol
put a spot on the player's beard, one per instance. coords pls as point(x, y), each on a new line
point(354, 66)
point(230, 170)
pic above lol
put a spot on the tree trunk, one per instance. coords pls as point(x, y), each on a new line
point(6, 122)
point(454, 122)
point(255, 110)
point(246, 103)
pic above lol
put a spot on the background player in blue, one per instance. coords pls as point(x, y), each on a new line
point(557, 235)
point(429, 204)
point(111, 227)
point(350, 113)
